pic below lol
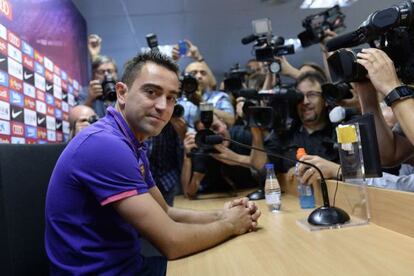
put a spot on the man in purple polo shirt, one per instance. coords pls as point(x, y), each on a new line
point(102, 197)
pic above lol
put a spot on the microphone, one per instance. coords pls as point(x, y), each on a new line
point(325, 215)
point(249, 39)
point(339, 114)
point(347, 40)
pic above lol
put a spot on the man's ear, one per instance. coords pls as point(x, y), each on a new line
point(121, 92)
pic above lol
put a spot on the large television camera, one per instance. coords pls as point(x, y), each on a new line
point(390, 30)
point(266, 46)
point(317, 24)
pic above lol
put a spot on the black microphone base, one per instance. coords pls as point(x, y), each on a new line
point(328, 216)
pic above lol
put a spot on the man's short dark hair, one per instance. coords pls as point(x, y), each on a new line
point(134, 66)
point(101, 60)
point(315, 67)
point(311, 76)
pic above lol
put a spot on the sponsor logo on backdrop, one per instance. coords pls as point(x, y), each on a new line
point(16, 98)
point(4, 111)
point(56, 70)
point(51, 135)
point(71, 100)
point(29, 90)
point(64, 86)
point(50, 110)
point(75, 84)
point(66, 116)
point(31, 141)
point(4, 93)
point(18, 140)
point(5, 139)
point(64, 75)
point(59, 125)
point(48, 64)
point(29, 103)
point(15, 84)
point(41, 120)
point(15, 69)
point(65, 107)
point(4, 127)
point(70, 89)
point(41, 107)
point(49, 88)
point(65, 127)
point(39, 69)
point(40, 95)
point(57, 80)
point(17, 129)
point(15, 53)
point(31, 132)
point(57, 91)
point(28, 76)
point(48, 76)
point(40, 82)
point(41, 133)
point(58, 113)
point(4, 65)
point(50, 123)
point(4, 79)
point(3, 47)
point(3, 32)
point(13, 39)
point(27, 49)
point(38, 57)
point(16, 113)
point(28, 62)
point(59, 136)
point(30, 117)
point(6, 9)
point(58, 103)
point(50, 100)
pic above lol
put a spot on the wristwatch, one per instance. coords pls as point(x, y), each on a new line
point(399, 93)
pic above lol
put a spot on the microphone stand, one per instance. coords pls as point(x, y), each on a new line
point(326, 215)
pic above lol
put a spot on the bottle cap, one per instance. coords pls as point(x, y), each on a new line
point(300, 152)
point(269, 166)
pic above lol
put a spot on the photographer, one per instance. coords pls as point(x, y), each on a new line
point(207, 84)
point(228, 169)
point(80, 117)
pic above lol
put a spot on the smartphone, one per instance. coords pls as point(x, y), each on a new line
point(182, 47)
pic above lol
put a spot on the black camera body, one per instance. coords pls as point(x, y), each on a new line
point(390, 30)
point(152, 41)
point(343, 66)
point(268, 50)
point(234, 79)
point(188, 85)
point(317, 24)
point(108, 88)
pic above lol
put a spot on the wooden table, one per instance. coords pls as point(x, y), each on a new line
point(282, 247)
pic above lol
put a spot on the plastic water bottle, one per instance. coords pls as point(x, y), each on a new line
point(272, 190)
point(306, 197)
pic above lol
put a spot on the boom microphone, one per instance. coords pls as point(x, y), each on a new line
point(249, 39)
point(339, 114)
point(214, 139)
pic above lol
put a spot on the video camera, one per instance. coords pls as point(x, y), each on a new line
point(390, 30)
point(317, 24)
point(266, 45)
point(234, 79)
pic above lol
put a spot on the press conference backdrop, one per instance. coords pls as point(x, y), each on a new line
point(43, 64)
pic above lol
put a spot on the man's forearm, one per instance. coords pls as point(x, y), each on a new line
point(191, 216)
point(404, 111)
point(225, 116)
point(257, 158)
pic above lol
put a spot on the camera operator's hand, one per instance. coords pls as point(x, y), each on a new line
point(179, 126)
point(94, 91)
point(352, 102)
point(381, 70)
point(310, 176)
point(286, 68)
point(226, 155)
point(192, 51)
point(189, 142)
point(94, 46)
point(327, 35)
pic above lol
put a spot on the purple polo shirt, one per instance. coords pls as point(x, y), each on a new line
point(104, 163)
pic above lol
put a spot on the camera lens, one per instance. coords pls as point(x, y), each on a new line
point(108, 87)
point(336, 92)
point(178, 111)
point(189, 83)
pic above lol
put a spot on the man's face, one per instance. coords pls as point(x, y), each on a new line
point(149, 103)
point(311, 110)
point(83, 119)
point(200, 72)
point(103, 69)
point(255, 67)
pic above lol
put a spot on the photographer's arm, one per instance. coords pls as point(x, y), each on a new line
point(227, 117)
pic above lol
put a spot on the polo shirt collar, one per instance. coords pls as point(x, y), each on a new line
point(125, 129)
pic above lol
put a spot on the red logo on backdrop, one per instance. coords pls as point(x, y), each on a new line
point(56, 69)
point(64, 86)
point(29, 103)
point(38, 57)
point(4, 139)
point(6, 9)
point(15, 84)
point(17, 129)
point(50, 110)
point(40, 95)
point(65, 116)
point(4, 93)
point(31, 141)
point(59, 136)
point(58, 104)
point(14, 39)
point(41, 133)
point(3, 46)
point(49, 75)
point(28, 62)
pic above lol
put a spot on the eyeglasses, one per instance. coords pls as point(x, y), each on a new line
point(105, 71)
point(311, 95)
